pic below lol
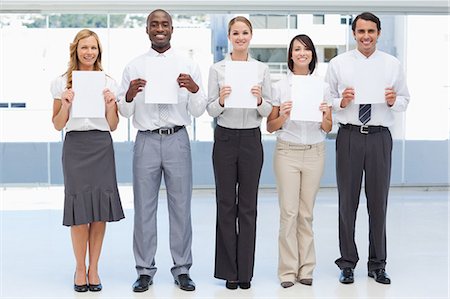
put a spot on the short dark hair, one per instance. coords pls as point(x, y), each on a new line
point(306, 41)
point(367, 16)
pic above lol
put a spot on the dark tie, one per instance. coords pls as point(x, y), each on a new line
point(364, 113)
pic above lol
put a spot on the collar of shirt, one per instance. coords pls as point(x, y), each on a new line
point(359, 55)
point(228, 57)
point(168, 53)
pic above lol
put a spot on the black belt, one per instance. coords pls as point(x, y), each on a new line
point(364, 129)
point(167, 131)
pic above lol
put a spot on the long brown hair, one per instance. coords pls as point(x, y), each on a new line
point(74, 62)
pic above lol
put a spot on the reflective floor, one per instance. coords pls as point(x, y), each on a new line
point(37, 259)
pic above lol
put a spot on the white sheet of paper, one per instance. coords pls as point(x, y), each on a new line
point(241, 76)
point(88, 98)
point(161, 74)
point(369, 82)
point(306, 96)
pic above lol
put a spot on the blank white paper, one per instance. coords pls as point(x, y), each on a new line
point(306, 96)
point(88, 101)
point(161, 74)
point(241, 76)
point(369, 82)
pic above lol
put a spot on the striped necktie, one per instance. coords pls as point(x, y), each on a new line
point(364, 113)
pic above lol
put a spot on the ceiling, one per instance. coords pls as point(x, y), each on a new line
point(229, 6)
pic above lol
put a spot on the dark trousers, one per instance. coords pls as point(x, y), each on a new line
point(237, 161)
point(357, 153)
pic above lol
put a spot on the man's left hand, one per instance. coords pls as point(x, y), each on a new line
point(185, 80)
point(390, 96)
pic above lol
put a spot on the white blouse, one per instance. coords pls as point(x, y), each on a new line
point(295, 131)
point(82, 124)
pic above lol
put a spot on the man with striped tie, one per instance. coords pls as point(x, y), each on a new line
point(364, 144)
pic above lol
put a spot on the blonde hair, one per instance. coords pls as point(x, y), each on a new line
point(240, 19)
point(74, 62)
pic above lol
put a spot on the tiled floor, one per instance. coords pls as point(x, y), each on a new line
point(37, 260)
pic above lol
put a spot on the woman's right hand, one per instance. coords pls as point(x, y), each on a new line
point(224, 93)
point(285, 109)
point(67, 98)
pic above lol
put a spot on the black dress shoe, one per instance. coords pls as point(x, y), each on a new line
point(380, 276)
point(245, 285)
point(346, 276)
point(231, 285)
point(185, 282)
point(80, 288)
point(142, 283)
point(95, 287)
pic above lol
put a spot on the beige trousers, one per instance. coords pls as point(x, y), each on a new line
point(298, 170)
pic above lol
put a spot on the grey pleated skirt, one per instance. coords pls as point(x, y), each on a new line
point(90, 182)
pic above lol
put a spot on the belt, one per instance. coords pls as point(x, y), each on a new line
point(167, 131)
point(364, 129)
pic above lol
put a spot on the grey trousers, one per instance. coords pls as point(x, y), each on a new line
point(357, 153)
point(155, 155)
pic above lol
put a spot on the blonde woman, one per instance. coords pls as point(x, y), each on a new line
point(299, 160)
point(91, 194)
point(237, 161)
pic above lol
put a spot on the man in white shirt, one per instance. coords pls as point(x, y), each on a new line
point(162, 147)
point(364, 145)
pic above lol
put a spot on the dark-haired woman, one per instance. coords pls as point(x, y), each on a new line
point(299, 160)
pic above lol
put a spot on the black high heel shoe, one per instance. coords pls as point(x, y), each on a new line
point(79, 288)
point(95, 287)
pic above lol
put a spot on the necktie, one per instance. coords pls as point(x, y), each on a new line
point(364, 113)
point(163, 111)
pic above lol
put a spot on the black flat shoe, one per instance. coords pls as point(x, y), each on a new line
point(95, 287)
point(346, 276)
point(232, 285)
point(185, 282)
point(380, 276)
point(142, 283)
point(80, 288)
point(245, 285)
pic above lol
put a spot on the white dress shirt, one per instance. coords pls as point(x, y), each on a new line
point(238, 118)
point(58, 86)
point(340, 76)
point(146, 116)
point(296, 131)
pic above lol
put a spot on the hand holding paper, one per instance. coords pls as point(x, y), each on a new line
point(136, 86)
point(390, 96)
point(256, 91)
point(223, 94)
point(110, 99)
point(67, 98)
point(185, 80)
point(348, 95)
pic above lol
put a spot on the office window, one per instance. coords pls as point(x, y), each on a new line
point(269, 21)
point(293, 21)
point(329, 53)
point(78, 21)
point(318, 19)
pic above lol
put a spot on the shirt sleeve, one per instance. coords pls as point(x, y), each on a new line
point(266, 105)
point(125, 109)
point(332, 79)
point(197, 101)
point(400, 87)
point(213, 107)
point(57, 87)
